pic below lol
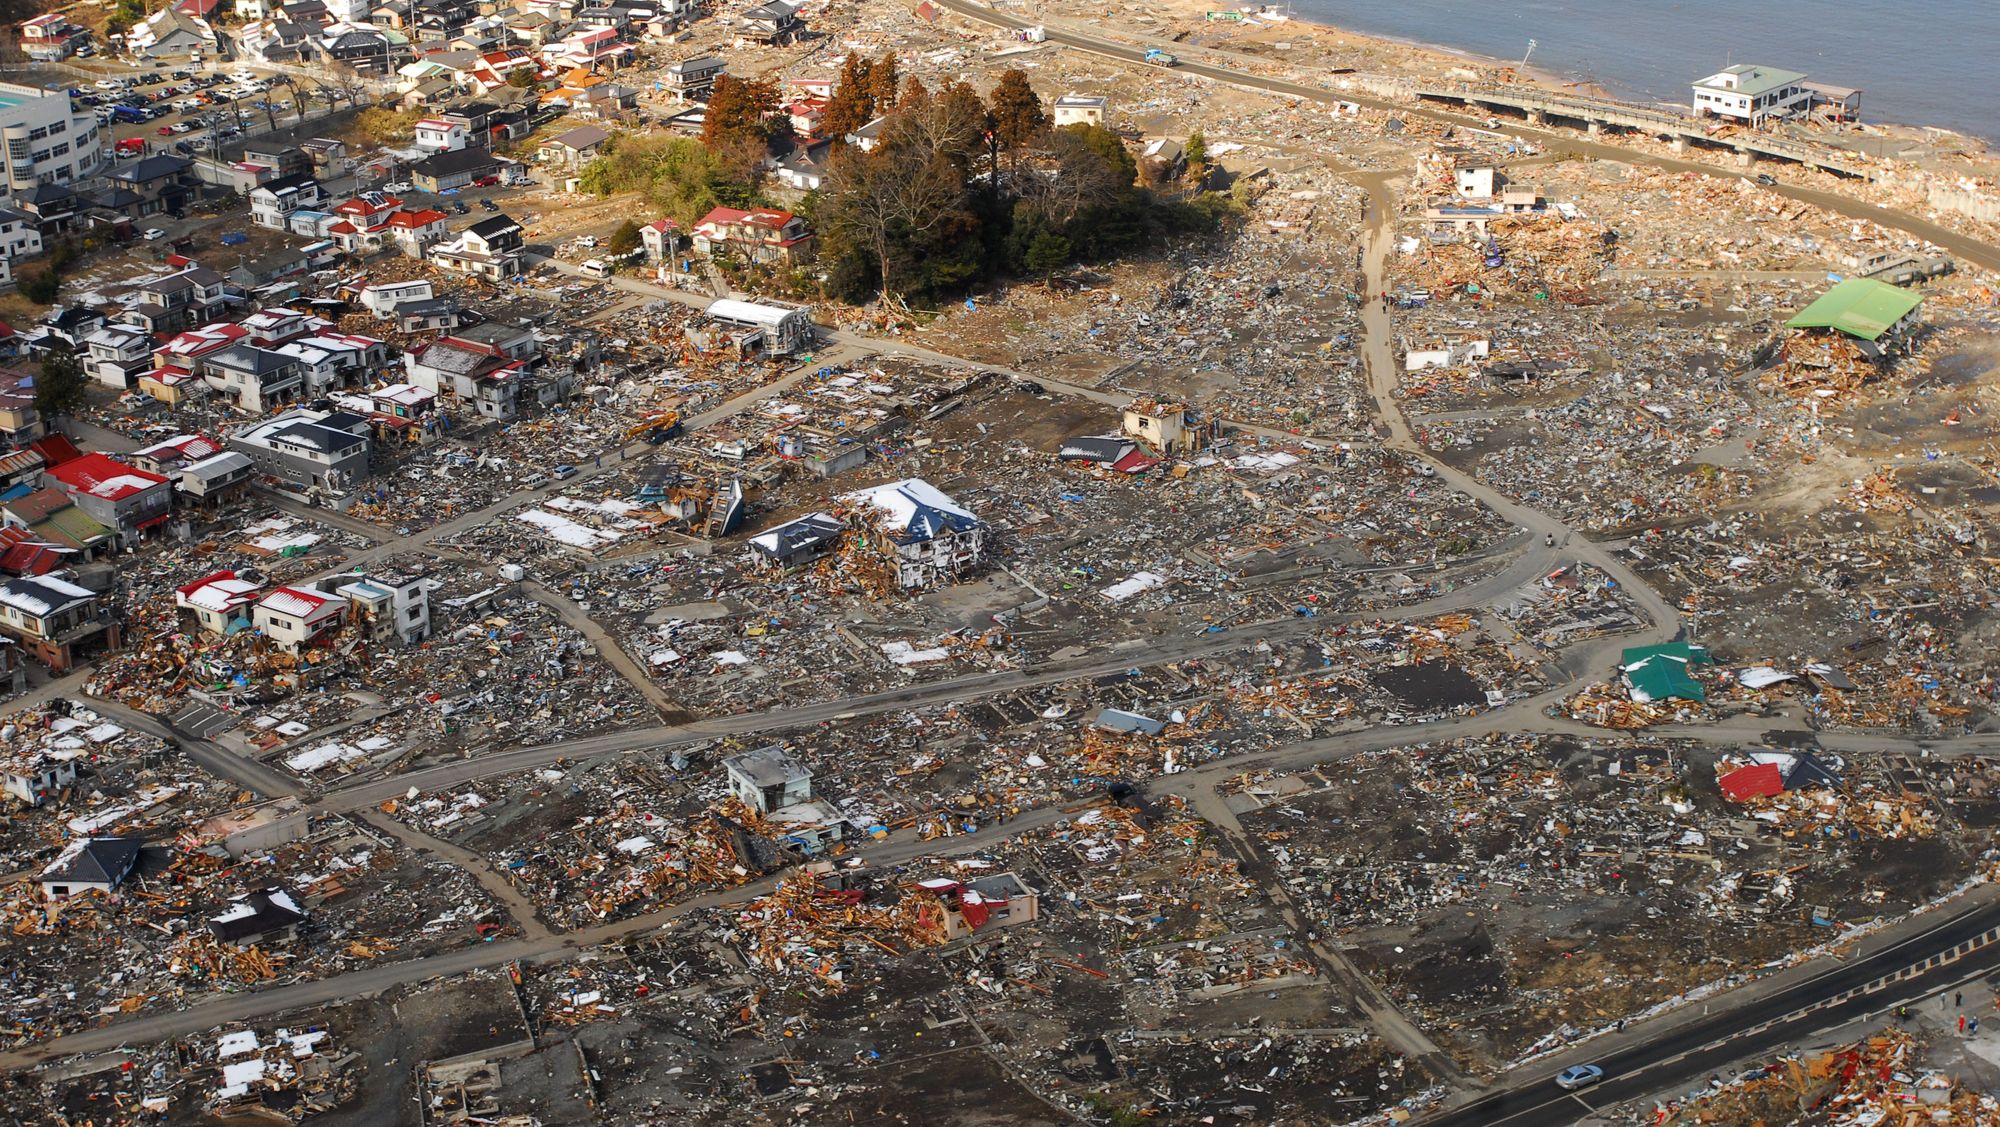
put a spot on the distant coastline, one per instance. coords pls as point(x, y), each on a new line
point(1638, 64)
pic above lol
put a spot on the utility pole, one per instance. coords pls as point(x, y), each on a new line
point(1525, 54)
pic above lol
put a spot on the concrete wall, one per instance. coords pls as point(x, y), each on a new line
point(1975, 204)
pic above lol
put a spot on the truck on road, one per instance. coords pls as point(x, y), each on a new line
point(1160, 58)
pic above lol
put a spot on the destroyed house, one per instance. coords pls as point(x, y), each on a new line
point(91, 864)
point(33, 775)
point(929, 538)
point(960, 909)
point(172, 454)
point(114, 494)
point(50, 515)
point(481, 375)
point(308, 449)
point(767, 779)
point(220, 601)
point(295, 618)
point(266, 917)
point(1872, 313)
point(799, 541)
point(54, 621)
point(775, 21)
point(1664, 672)
point(746, 327)
point(389, 606)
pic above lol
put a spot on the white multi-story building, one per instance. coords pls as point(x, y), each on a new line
point(1751, 93)
point(48, 142)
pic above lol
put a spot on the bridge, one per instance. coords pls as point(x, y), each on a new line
point(1599, 114)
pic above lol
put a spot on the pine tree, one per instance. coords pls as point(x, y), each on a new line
point(882, 79)
point(60, 384)
point(1017, 111)
point(852, 106)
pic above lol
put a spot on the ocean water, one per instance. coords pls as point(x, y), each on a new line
point(1917, 62)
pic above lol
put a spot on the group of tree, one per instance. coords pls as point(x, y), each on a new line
point(679, 177)
point(956, 189)
point(951, 190)
point(42, 286)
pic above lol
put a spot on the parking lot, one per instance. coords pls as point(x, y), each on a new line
point(188, 112)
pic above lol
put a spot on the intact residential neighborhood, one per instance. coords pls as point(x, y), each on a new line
point(954, 563)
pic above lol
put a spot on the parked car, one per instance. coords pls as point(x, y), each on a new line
point(565, 471)
point(459, 207)
point(488, 204)
point(486, 181)
point(165, 130)
point(181, 127)
point(398, 187)
point(584, 240)
point(184, 148)
point(153, 233)
point(1578, 1076)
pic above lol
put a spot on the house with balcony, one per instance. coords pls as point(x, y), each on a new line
point(297, 618)
point(490, 248)
point(214, 481)
point(121, 497)
point(762, 235)
point(1752, 94)
point(257, 380)
point(117, 355)
point(692, 79)
point(273, 202)
point(323, 451)
point(55, 621)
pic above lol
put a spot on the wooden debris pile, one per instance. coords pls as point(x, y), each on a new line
point(804, 929)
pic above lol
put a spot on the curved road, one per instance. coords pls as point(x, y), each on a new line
point(1526, 715)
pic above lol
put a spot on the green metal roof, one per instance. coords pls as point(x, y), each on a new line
point(1661, 672)
point(71, 526)
point(1859, 307)
point(1755, 80)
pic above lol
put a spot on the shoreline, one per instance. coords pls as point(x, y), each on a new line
point(1401, 53)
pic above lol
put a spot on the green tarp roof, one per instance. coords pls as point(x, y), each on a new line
point(1859, 307)
point(1661, 672)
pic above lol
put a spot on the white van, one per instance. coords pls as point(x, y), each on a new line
point(595, 268)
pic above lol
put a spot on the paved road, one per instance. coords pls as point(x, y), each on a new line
point(1743, 1028)
point(1971, 249)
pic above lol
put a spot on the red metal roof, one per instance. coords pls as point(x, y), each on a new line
point(105, 477)
point(55, 449)
point(1761, 780)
